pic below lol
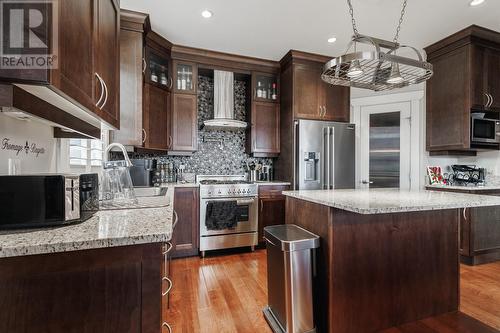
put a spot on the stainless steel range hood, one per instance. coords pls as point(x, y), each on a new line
point(224, 104)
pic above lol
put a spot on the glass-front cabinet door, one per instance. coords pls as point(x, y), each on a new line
point(265, 87)
point(156, 69)
point(185, 77)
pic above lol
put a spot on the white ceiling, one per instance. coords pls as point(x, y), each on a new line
point(269, 28)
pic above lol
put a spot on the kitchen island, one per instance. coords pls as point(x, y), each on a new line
point(387, 257)
point(102, 275)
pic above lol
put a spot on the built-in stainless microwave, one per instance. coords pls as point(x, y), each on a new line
point(485, 131)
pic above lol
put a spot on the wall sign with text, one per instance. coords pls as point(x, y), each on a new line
point(19, 148)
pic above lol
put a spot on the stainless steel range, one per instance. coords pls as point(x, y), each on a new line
point(228, 212)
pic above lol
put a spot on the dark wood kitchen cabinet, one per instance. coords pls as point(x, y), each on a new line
point(146, 103)
point(492, 70)
point(263, 133)
point(305, 96)
point(184, 123)
point(466, 79)
point(133, 26)
point(87, 53)
point(312, 98)
point(271, 207)
point(480, 235)
point(155, 117)
point(157, 105)
point(107, 290)
point(185, 238)
point(107, 59)
point(479, 230)
point(263, 136)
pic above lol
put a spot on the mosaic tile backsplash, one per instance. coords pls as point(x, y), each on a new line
point(219, 152)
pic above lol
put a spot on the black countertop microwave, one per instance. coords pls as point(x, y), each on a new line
point(34, 201)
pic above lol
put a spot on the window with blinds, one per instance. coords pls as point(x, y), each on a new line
point(85, 153)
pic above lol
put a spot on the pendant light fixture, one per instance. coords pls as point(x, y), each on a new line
point(380, 68)
point(395, 77)
point(355, 69)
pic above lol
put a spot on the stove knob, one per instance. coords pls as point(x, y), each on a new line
point(219, 192)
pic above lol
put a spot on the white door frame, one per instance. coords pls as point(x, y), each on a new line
point(416, 136)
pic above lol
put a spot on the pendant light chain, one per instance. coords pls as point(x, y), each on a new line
point(353, 20)
point(355, 28)
point(403, 11)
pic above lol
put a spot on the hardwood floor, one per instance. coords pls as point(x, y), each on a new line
point(226, 293)
point(447, 323)
point(219, 294)
point(480, 292)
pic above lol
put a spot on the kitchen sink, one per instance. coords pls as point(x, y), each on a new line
point(141, 192)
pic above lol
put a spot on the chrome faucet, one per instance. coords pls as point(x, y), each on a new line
point(128, 164)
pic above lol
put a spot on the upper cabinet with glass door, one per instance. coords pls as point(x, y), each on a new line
point(185, 77)
point(265, 87)
point(156, 69)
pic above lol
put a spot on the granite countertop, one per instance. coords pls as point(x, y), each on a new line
point(150, 221)
point(382, 201)
point(487, 187)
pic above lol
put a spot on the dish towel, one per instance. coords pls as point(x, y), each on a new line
point(221, 215)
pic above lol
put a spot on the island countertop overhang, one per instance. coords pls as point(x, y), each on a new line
point(385, 201)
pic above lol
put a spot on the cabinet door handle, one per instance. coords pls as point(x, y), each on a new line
point(464, 213)
point(169, 248)
point(171, 85)
point(176, 220)
point(144, 136)
point(170, 285)
point(324, 111)
point(144, 65)
point(491, 100)
point(102, 90)
point(488, 100)
point(106, 95)
point(169, 142)
point(261, 205)
point(167, 326)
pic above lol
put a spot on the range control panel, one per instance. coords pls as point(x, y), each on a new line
point(223, 191)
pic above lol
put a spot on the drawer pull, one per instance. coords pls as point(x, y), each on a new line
point(167, 326)
point(169, 248)
point(170, 285)
point(176, 219)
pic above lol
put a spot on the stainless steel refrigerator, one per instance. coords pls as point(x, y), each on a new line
point(324, 156)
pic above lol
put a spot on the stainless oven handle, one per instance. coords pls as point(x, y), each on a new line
point(245, 202)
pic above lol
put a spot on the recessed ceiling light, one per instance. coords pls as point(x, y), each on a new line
point(206, 14)
point(332, 39)
point(476, 2)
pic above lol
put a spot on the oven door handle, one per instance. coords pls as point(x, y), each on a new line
point(245, 202)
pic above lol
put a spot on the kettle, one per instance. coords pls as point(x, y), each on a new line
point(117, 188)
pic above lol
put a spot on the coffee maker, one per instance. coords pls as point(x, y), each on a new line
point(142, 172)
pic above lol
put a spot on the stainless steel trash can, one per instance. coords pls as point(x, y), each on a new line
point(290, 265)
